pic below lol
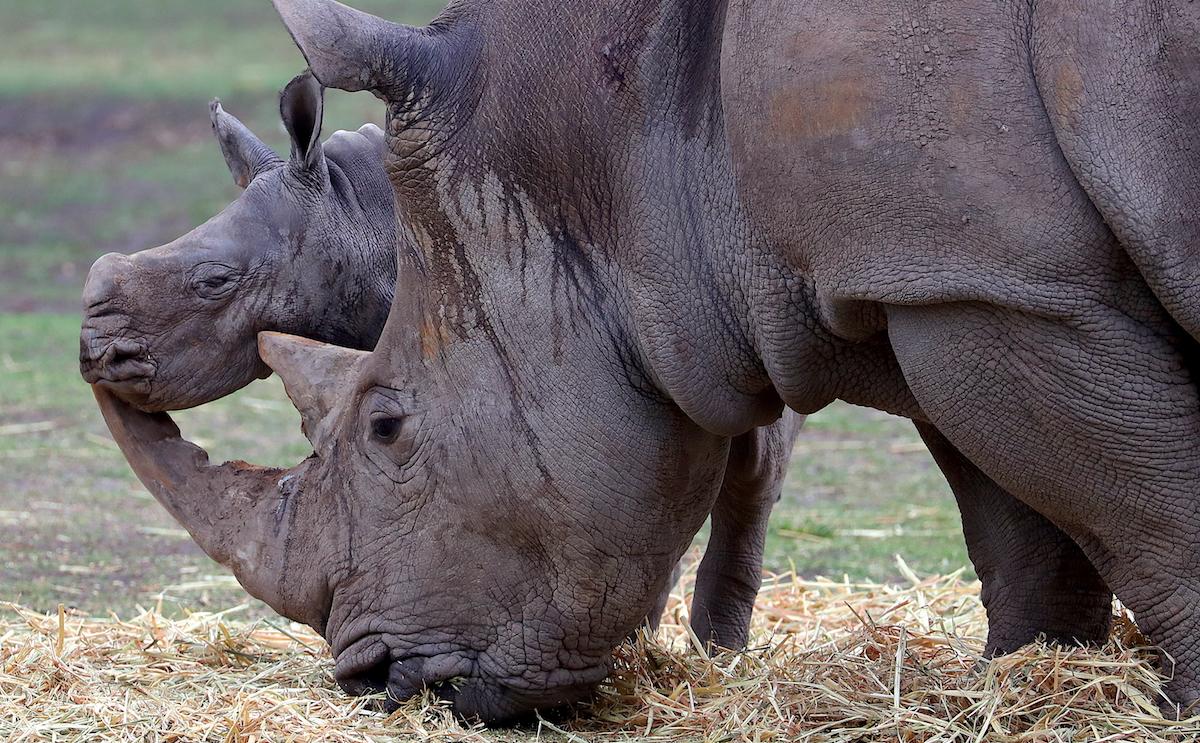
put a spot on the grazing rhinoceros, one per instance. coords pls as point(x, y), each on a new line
point(641, 228)
point(310, 248)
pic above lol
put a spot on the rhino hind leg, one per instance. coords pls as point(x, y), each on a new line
point(1036, 580)
point(1121, 86)
point(1092, 422)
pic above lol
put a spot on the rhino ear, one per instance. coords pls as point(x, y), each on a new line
point(316, 377)
point(244, 153)
point(302, 108)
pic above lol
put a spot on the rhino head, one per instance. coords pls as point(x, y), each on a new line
point(308, 247)
point(499, 491)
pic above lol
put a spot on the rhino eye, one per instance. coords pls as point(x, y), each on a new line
point(386, 429)
point(214, 281)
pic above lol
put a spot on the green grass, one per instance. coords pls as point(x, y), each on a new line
point(104, 128)
point(861, 490)
point(156, 49)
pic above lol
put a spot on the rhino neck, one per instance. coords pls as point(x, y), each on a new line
point(618, 221)
point(340, 298)
point(760, 330)
point(345, 287)
point(691, 241)
point(354, 310)
point(576, 236)
point(353, 317)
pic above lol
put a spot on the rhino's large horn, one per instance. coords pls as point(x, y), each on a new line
point(248, 518)
point(316, 377)
point(353, 50)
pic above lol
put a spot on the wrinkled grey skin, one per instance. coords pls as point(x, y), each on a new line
point(641, 228)
point(329, 277)
point(307, 248)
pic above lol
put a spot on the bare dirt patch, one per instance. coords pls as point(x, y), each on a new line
point(82, 125)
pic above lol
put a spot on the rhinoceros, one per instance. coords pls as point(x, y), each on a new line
point(314, 254)
point(641, 228)
point(308, 248)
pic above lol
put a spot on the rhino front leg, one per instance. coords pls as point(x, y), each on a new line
point(730, 574)
point(1036, 580)
point(654, 618)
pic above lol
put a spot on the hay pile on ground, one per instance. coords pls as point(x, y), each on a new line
point(829, 662)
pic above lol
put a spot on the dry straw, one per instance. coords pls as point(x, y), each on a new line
point(829, 662)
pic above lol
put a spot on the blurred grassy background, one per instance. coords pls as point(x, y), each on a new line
point(105, 145)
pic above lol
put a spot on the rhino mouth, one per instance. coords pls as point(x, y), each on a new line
point(122, 366)
point(462, 679)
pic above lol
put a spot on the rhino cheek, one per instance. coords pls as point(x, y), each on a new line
point(203, 374)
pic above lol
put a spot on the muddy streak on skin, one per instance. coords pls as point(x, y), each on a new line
point(458, 199)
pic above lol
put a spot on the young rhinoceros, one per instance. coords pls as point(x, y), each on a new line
point(308, 247)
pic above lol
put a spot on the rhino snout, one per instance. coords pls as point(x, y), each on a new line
point(104, 281)
point(106, 356)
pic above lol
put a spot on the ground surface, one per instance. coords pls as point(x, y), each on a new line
point(105, 145)
point(829, 663)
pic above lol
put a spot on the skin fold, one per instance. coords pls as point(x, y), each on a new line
point(314, 255)
point(639, 229)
